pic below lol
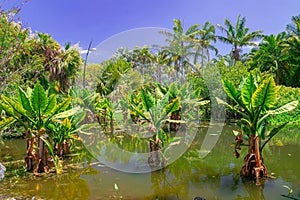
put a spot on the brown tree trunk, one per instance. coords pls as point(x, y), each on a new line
point(253, 163)
point(41, 162)
point(36, 159)
point(29, 159)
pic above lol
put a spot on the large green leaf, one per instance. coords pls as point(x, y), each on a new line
point(9, 110)
point(38, 98)
point(231, 91)
point(25, 101)
point(175, 121)
point(147, 100)
point(16, 106)
point(165, 100)
point(79, 117)
point(139, 112)
point(86, 127)
point(161, 88)
point(62, 106)
point(67, 113)
point(173, 89)
point(51, 105)
point(6, 122)
point(285, 108)
point(172, 107)
point(265, 95)
point(247, 91)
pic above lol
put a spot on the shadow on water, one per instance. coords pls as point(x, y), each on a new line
point(215, 176)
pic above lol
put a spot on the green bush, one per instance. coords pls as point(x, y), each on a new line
point(287, 94)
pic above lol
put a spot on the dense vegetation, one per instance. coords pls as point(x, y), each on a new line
point(157, 89)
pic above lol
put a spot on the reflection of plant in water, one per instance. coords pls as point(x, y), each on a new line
point(254, 103)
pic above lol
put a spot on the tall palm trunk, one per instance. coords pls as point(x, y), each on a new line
point(208, 55)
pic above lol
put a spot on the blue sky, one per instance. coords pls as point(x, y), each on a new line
point(82, 20)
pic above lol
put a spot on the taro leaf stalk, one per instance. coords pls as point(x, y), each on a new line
point(254, 104)
point(35, 112)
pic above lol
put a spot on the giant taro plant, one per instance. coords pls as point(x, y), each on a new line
point(254, 103)
point(155, 111)
point(37, 112)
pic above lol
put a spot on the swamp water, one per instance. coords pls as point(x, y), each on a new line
point(215, 176)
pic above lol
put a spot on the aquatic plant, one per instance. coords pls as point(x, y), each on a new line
point(254, 103)
point(38, 114)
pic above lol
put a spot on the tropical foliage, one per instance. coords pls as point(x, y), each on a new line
point(254, 103)
point(157, 89)
point(45, 122)
point(27, 57)
point(238, 36)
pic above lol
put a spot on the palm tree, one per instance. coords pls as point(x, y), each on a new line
point(162, 61)
point(293, 41)
point(238, 36)
point(70, 61)
point(271, 57)
point(62, 64)
point(205, 37)
point(294, 27)
point(180, 45)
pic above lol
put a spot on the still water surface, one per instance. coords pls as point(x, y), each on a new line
point(214, 177)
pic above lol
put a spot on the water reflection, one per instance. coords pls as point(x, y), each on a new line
point(214, 177)
point(57, 187)
point(131, 152)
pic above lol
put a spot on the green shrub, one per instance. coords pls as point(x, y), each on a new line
point(287, 94)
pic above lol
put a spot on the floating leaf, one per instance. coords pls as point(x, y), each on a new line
point(289, 188)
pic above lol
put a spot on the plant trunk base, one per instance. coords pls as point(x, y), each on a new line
point(155, 159)
point(253, 169)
